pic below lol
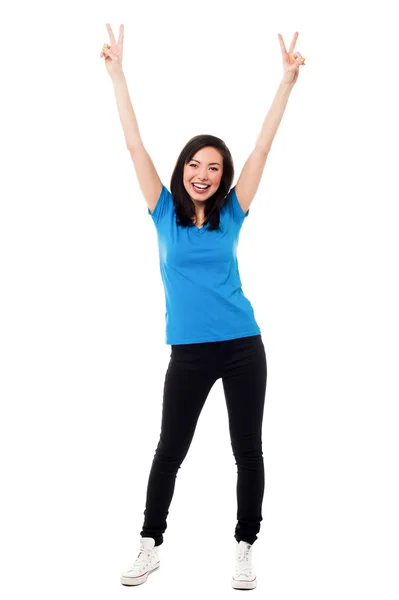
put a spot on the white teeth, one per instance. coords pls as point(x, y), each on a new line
point(201, 187)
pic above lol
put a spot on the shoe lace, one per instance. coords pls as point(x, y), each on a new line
point(243, 563)
point(143, 559)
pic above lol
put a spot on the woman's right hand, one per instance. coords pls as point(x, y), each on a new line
point(113, 53)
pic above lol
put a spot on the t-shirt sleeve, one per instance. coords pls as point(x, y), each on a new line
point(163, 206)
point(238, 213)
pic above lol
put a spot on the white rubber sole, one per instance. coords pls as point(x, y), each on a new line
point(139, 579)
point(243, 585)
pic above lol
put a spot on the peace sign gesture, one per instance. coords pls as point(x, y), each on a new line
point(291, 61)
point(113, 53)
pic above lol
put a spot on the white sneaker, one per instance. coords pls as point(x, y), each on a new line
point(146, 562)
point(244, 577)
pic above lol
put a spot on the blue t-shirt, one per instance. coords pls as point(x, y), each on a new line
point(199, 269)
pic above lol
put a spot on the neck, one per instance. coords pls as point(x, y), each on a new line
point(199, 206)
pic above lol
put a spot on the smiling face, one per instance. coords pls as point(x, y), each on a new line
point(205, 168)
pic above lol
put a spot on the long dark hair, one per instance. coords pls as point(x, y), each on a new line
point(184, 206)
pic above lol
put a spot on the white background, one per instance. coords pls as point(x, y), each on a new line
point(83, 353)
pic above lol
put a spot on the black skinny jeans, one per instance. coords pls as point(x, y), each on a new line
point(193, 369)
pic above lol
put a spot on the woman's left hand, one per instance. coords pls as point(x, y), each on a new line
point(291, 61)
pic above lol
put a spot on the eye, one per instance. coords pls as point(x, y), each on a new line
point(194, 165)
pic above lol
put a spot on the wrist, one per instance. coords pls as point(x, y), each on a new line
point(287, 84)
point(118, 76)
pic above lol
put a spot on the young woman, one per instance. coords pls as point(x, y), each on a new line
point(210, 324)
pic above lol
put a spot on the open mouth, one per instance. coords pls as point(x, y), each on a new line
point(200, 188)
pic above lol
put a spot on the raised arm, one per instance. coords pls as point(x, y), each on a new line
point(252, 171)
point(148, 178)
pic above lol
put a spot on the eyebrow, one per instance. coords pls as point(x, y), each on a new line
point(212, 163)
